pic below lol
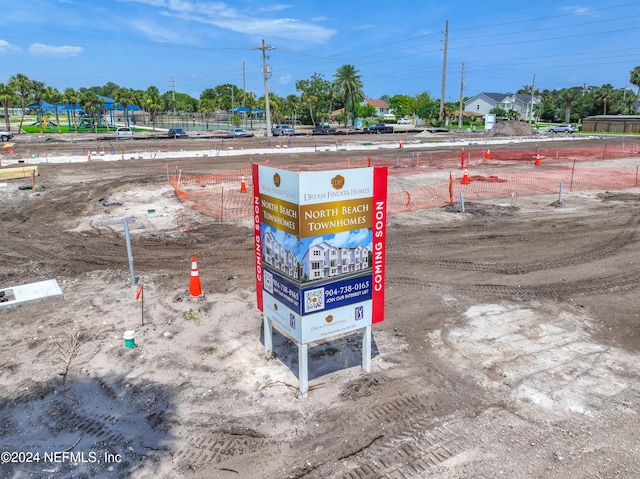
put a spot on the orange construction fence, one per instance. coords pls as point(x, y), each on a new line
point(507, 173)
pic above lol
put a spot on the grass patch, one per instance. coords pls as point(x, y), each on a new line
point(192, 315)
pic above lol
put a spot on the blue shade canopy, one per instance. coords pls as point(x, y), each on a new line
point(246, 109)
point(109, 104)
point(44, 106)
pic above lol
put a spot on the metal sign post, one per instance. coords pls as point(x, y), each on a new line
point(129, 253)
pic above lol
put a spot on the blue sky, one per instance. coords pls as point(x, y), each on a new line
point(396, 46)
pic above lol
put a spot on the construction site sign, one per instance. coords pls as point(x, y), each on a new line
point(320, 249)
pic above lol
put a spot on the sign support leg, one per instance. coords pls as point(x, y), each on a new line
point(303, 369)
point(366, 349)
point(268, 338)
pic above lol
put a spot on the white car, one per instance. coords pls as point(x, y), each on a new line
point(124, 133)
point(282, 130)
point(238, 133)
point(403, 121)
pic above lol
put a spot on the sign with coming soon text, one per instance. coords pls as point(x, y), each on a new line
point(319, 242)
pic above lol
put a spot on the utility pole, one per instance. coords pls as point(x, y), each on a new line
point(533, 84)
point(266, 71)
point(460, 107)
point(173, 94)
point(444, 71)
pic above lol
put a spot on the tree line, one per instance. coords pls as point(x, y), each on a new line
point(316, 102)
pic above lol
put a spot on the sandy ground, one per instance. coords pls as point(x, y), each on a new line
point(510, 348)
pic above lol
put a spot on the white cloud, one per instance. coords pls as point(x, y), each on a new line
point(158, 34)
point(254, 22)
point(575, 10)
point(53, 51)
point(5, 46)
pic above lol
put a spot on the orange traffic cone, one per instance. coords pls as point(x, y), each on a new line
point(89, 157)
point(487, 155)
point(465, 177)
point(537, 162)
point(400, 143)
point(194, 286)
point(243, 185)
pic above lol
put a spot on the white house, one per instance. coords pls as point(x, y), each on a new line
point(381, 106)
point(323, 261)
point(483, 103)
point(281, 259)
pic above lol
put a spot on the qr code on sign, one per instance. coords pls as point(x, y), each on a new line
point(314, 299)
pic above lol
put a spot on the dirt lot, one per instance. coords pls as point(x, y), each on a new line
point(510, 348)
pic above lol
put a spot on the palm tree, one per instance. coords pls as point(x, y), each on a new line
point(7, 96)
point(568, 96)
point(22, 86)
point(275, 105)
point(53, 96)
point(37, 90)
point(605, 95)
point(206, 106)
point(72, 98)
point(92, 105)
point(250, 101)
point(350, 86)
point(635, 79)
point(153, 103)
point(125, 97)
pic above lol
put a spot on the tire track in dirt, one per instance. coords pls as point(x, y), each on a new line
point(556, 291)
point(402, 437)
point(597, 252)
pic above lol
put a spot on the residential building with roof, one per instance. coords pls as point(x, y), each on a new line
point(324, 261)
point(483, 103)
point(280, 258)
point(381, 106)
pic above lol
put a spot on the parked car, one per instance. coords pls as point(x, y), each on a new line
point(323, 130)
point(562, 129)
point(177, 133)
point(6, 135)
point(124, 133)
point(282, 130)
point(404, 121)
point(378, 128)
point(238, 133)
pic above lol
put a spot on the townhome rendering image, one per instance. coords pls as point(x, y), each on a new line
point(320, 260)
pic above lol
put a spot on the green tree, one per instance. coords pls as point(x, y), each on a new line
point(21, 85)
point(291, 105)
point(605, 96)
point(250, 102)
point(547, 106)
point(366, 111)
point(73, 99)
point(153, 103)
point(349, 84)
point(38, 90)
point(316, 95)
point(402, 105)
point(7, 97)
point(205, 107)
point(53, 96)
point(428, 110)
point(499, 112)
point(125, 97)
point(92, 106)
point(634, 79)
point(567, 97)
